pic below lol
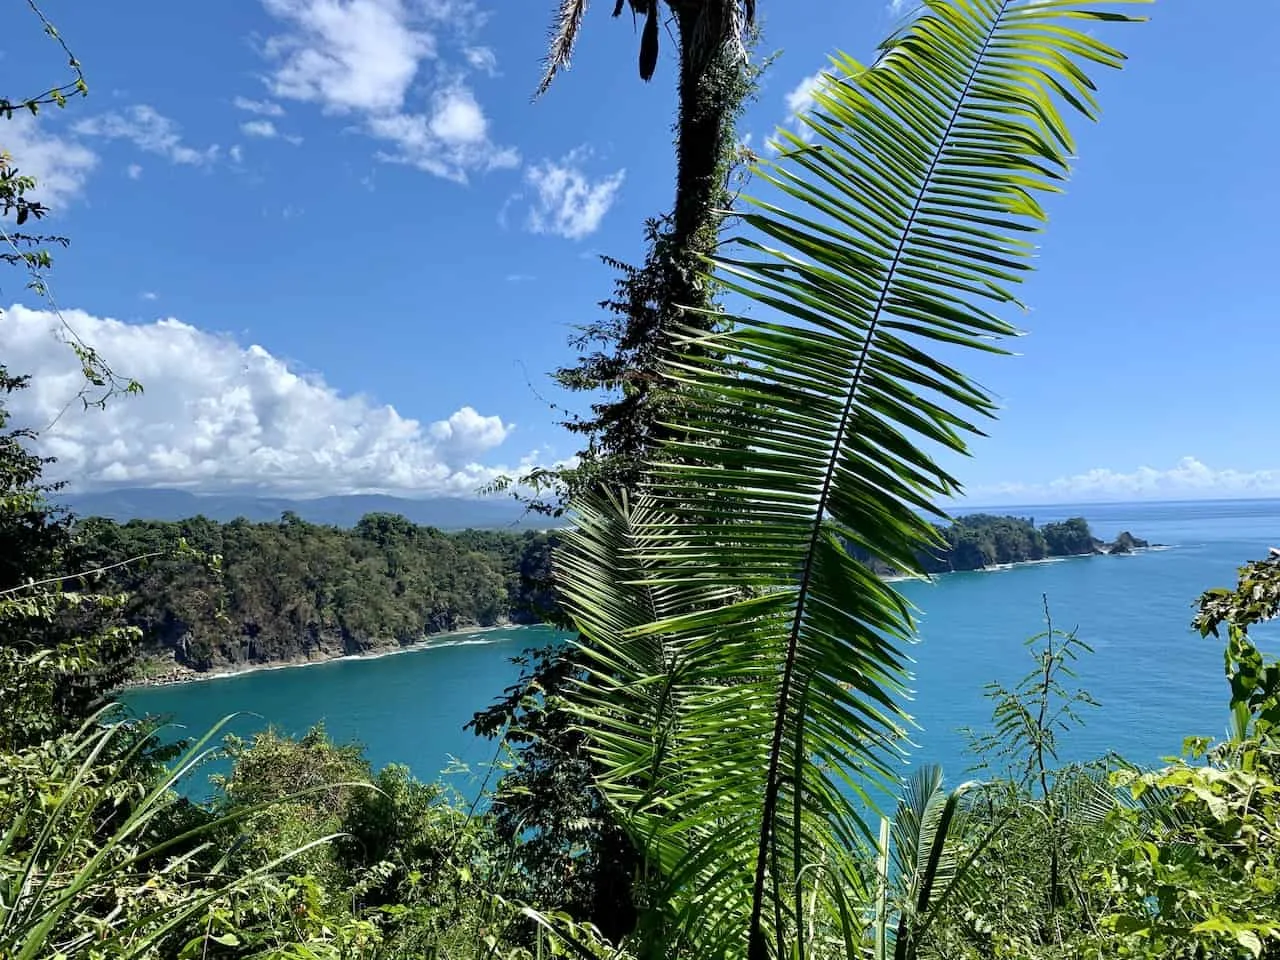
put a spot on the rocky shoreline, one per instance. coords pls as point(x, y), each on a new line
point(1125, 543)
point(172, 672)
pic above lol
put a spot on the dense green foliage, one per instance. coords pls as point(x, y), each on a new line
point(548, 805)
point(1067, 538)
point(406, 875)
point(287, 590)
point(693, 778)
point(62, 644)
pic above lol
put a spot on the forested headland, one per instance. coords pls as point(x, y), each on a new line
point(210, 596)
point(979, 540)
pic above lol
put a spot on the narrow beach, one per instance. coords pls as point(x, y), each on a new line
point(178, 674)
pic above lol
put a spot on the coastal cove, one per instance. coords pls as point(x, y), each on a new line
point(1155, 678)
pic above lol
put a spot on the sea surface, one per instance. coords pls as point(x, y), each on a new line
point(1155, 679)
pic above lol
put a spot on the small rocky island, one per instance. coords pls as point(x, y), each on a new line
point(981, 540)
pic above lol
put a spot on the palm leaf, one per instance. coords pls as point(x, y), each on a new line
point(928, 816)
point(564, 37)
point(930, 853)
point(812, 426)
point(633, 699)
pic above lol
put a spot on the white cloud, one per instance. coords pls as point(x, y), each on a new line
point(60, 165)
point(266, 130)
point(236, 154)
point(457, 117)
point(259, 128)
point(800, 101)
point(566, 202)
point(450, 142)
point(150, 295)
point(352, 55)
point(363, 58)
point(148, 130)
point(466, 434)
point(800, 98)
point(483, 59)
point(134, 171)
point(897, 7)
point(216, 414)
point(1188, 479)
point(264, 108)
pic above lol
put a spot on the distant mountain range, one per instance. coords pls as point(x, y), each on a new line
point(446, 513)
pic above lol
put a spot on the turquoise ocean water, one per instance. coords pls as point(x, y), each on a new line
point(1155, 679)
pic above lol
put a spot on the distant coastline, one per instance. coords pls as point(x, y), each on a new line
point(981, 541)
point(1013, 565)
point(173, 674)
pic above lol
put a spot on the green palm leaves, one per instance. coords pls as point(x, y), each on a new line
point(749, 672)
point(928, 860)
point(81, 869)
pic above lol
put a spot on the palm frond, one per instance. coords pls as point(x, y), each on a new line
point(1086, 796)
point(813, 426)
point(927, 830)
point(927, 816)
point(610, 593)
point(564, 37)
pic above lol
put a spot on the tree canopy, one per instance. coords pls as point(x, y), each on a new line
point(217, 594)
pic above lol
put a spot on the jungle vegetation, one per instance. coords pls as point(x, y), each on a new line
point(733, 698)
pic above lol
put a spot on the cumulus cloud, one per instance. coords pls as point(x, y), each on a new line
point(60, 165)
point(133, 171)
point(466, 434)
point(1188, 479)
point(218, 415)
point(363, 58)
point(566, 202)
point(357, 55)
point(450, 142)
point(264, 108)
point(148, 130)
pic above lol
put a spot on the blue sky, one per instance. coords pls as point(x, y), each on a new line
point(342, 248)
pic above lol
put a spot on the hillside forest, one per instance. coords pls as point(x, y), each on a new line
point(713, 767)
point(210, 596)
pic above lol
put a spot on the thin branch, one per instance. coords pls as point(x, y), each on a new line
point(82, 575)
